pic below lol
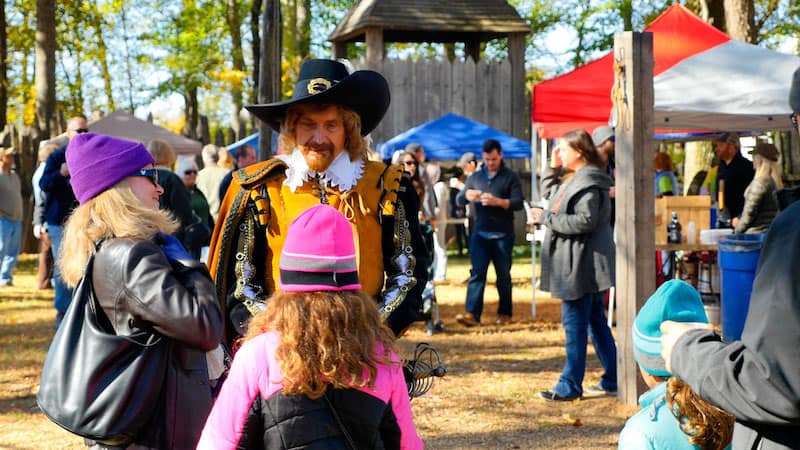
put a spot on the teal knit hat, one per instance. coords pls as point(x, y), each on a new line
point(675, 300)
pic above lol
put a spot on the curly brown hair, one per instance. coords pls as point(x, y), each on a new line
point(327, 337)
point(707, 426)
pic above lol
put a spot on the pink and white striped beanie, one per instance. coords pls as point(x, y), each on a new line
point(319, 253)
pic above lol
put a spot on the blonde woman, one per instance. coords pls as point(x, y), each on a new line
point(143, 278)
point(760, 197)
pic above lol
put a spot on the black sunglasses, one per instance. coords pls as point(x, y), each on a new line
point(81, 130)
point(190, 172)
point(152, 174)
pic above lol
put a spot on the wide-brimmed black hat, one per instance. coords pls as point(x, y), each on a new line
point(325, 81)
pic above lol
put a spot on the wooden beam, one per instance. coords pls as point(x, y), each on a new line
point(375, 50)
point(635, 235)
point(339, 50)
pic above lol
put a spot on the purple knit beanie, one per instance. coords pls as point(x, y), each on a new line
point(96, 162)
point(319, 253)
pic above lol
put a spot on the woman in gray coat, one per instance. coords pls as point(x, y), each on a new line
point(578, 264)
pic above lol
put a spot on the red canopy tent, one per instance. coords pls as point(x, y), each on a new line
point(582, 98)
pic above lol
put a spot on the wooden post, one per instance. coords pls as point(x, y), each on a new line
point(269, 85)
point(635, 235)
point(374, 41)
point(516, 55)
point(472, 49)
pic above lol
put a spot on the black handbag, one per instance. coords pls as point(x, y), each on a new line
point(97, 384)
point(197, 234)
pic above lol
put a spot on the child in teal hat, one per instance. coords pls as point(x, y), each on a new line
point(672, 415)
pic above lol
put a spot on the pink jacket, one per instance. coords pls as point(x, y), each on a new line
point(254, 386)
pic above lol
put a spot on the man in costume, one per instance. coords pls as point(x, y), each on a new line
point(323, 160)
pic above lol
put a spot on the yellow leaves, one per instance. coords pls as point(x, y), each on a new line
point(569, 420)
point(29, 111)
point(229, 76)
point(174, 124)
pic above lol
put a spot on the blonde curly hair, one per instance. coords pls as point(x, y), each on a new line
point(327, 337)
point(707, 426)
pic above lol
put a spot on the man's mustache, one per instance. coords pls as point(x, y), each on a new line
point(319, 147)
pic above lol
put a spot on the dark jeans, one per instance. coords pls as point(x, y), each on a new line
point(481, 252)
point(462, 238)
point(580, 318)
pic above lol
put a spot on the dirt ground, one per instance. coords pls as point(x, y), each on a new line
point(487, 400)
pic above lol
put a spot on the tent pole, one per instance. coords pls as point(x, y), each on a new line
point(534, 199)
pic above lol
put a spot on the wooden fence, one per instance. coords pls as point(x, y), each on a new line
point(424, 90)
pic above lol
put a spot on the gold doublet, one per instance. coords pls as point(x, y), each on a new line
point(263, 204)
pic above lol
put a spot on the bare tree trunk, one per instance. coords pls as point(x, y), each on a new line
point(740, 20)
point(270, 70)
point(234, 26)
point(3, 68)
point(45, 70)
point(192, 116)
point(713, 12)
point(626, 11)
point(128, 65)
point(97, 20)
point(303, 21)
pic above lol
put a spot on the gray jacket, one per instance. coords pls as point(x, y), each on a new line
point(760, 206)
point(757, 379)
point(578, 249)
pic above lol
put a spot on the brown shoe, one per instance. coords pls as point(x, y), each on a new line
point(467, 319)
point(502, 319)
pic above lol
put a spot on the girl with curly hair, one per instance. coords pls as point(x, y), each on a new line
point(318, 368)
point(673, 416)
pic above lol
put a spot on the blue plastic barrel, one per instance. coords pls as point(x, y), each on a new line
point(738, 259)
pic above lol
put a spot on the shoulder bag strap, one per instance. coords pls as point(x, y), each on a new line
point(347, 436)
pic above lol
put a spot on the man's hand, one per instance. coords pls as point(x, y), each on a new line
point(670, 333)
point(64, 170)
point(37, 230)
point(472, 195)
point(488, 199)
point(735, 222)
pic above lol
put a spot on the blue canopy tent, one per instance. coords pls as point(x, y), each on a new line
point(252, 141)
point(450, 136)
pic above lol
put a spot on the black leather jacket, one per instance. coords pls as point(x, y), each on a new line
point(136, 285)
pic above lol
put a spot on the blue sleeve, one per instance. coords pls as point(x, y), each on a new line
point(515, 190)
point(633, 437)
point(52, 180)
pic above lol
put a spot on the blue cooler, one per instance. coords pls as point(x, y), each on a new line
point(738, 259)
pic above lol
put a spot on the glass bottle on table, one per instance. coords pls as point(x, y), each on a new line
point(674, 230)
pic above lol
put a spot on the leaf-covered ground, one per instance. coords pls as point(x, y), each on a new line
point(487, 400)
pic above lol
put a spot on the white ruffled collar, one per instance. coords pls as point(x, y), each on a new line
point(342, 174)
